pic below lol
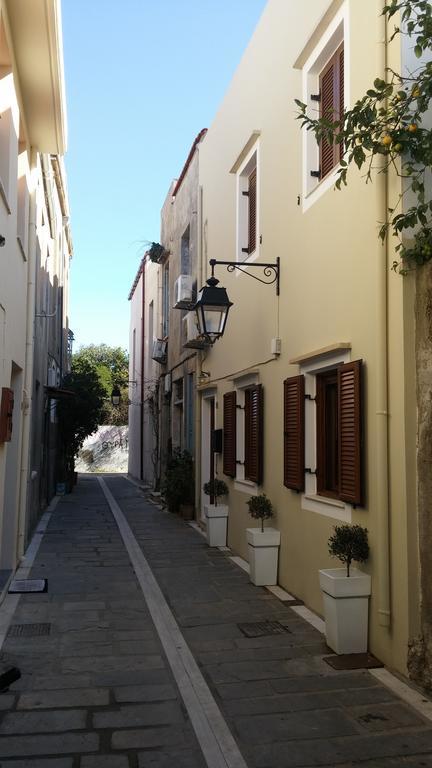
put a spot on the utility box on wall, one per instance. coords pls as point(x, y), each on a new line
point(6, 411)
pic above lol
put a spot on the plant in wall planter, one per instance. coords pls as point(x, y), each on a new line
point(216, 514)
point(346, 591)
point(263, 543)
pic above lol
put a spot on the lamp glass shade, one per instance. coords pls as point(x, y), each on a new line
point(212, 310)
point(115, 396)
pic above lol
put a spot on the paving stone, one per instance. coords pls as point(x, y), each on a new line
point(144, 693)
point(165, 713)
point(297, 725)
point(84, 605)
point(42, 722)
point(165, 759)
point(113, 663)
point(382, 717)
point(244, 690)
point(84, 697)
point(59, 744)
point(6, 701)
point(62, 762)
point(147, 737)
point(104, 761)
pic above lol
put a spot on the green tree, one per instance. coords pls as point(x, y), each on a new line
point(79, 414)
point(112, 367)
point(389, 122)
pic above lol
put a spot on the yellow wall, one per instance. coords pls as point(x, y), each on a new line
point(329, 294)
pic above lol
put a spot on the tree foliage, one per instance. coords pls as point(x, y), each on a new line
point(112, 367)
point(389, 122)
point(79, 414)
point(348, 543)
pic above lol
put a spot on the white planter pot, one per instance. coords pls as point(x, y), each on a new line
point(216, 518)
point(263, 555)
point(346, 604)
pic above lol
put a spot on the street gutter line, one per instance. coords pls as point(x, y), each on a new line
point(217, 743)
point(10, 602)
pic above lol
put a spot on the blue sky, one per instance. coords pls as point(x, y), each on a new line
point(142, 78)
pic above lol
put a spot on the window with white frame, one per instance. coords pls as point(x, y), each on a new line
point(243, 452)
point(325, 94)
point(248, 237)
point(323, 451)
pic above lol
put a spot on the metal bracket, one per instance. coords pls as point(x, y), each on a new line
point(315, 174)
point(271, 271)
point(245, 193)
point(309, 397)
point(310, 471)
point(315, 96)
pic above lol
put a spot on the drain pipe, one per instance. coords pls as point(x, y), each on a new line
point(199, 359)
point(382, 469)
point(25, 477)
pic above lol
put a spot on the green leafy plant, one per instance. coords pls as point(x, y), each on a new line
point(215, 488)
point(260, 508)
point(387, 123)
point(178, 484)
point(348, 543)
point(156, 252)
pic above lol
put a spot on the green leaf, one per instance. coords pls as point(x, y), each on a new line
point(418, 50)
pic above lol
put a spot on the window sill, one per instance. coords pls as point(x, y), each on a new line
point(3, 196)
point(328, 507)
point(246, 486)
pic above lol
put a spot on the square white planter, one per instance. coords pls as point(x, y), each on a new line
point(216, 518)
point(263, 555)
point(346, 605)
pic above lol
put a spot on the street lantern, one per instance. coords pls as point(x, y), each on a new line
point(212, 310)
point(115, 396)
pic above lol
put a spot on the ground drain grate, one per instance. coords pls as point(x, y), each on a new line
point(263, 628)
point(20, 586)
point(29, 630)
point(353, 661)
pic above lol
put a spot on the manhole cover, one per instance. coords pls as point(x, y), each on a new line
point(29, 630)
point(353, 661)
point(262, 628)
point(18, 586)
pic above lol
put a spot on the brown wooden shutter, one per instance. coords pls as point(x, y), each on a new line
point(350, 432)
point(332, 107)
point(327, 91)
point(254, 422)
point(6, 412)
point(230, 434)
point(341, 94)
point(252, 233)
point(294, 433)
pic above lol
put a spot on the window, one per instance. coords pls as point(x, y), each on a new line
point(243, 433)
point(334, 467)
point(248, 206)
point(325, 92)
point(185, 253)
point(165, 301)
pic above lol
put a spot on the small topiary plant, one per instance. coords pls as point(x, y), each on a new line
point(260, 508)
point(215, 488)
point(348, 543)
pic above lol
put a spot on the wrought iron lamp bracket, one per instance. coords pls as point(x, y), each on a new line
point(271, 271)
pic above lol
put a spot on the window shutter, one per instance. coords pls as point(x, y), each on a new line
point(341, 95)
point(294, 433)
point(230, 434)
point(254, 412)
point(327, 90)
point(252, 188)
point(6, 412)
point(350, 432)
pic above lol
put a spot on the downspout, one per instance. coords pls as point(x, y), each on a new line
point(142, 369)
point(382, 468)
point(25, 477)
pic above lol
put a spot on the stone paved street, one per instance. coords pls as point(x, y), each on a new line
point(98, 690)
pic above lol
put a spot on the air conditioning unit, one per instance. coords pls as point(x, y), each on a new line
point(183, 292)
point(167, 384)
point(190, 333)
point(160, 347)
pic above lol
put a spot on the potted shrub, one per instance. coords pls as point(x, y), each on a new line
point(263, 543)
point(216, 514)
point(178, 483)
point(346, 591)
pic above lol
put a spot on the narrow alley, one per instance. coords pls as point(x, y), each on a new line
point(138, 655)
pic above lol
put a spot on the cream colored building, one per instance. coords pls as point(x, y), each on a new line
point(32, 139)
point(339, 303)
